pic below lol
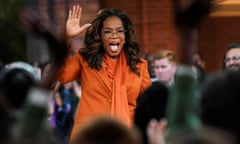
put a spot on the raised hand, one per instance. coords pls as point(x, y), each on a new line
point(73, 27)
point(190, 13)
point(156, 131)
point(57, 46)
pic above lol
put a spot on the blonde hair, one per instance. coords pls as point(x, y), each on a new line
point(165, 54)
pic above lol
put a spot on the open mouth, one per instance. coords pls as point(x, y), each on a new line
point(114, 46)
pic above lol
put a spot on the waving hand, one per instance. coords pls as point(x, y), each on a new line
point(73, 27)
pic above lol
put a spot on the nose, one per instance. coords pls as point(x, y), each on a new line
point(159, 70)
point(114, 34)
point(232, 61)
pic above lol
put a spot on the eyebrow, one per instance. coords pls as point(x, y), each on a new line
point(108, 28)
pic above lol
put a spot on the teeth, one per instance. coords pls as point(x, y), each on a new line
point(114, 47)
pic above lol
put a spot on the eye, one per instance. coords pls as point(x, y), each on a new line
point(163, 67)
point(227, 60)
point(121, 31)
point(236, 58)
point(107, 32)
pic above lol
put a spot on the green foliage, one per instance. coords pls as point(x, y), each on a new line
point(12, 38)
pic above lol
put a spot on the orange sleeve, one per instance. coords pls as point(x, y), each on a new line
point(146, 81)
point(71, 69)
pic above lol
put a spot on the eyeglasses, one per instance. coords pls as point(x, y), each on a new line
point(234, 58)
point(110, 33)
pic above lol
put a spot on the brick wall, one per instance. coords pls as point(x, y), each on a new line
point(53, 14)
point(215, 34)
point(154, 26)
point(152, 20)
point(61, 8)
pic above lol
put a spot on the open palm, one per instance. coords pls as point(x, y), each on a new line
point(73, 27)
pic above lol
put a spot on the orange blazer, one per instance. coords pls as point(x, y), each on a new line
point(96, 90)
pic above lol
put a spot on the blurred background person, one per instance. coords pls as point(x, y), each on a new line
point(22, 100)
point(199, 64)
point(232, 57)
point(16, 79)
point(151, 106)
point(164, 66)
point(63, 107)
point(37, 66)
point(220, 104)
point(107, 130)
point(149, 58)
point(198, 59)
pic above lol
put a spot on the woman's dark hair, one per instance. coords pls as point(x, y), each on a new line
point(94, 51)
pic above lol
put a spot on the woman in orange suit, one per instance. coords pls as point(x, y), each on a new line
point(110, 68)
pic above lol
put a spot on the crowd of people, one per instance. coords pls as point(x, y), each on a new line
point(108, 93)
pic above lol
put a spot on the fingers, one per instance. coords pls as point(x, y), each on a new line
point(79, 12)
point(156, 131)
point(70, 14)
point(74, 15)
point(75, 12)
point(162, 124)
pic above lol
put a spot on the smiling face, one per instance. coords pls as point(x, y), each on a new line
point(232, 60)
point(113, 36)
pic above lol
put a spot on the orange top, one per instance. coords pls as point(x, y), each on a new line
point(98, 89)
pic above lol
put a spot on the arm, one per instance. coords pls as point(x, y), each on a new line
point(188, 15)
point(59, 48)
point(73, 28)
point(71, 67)
point(146, 81)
